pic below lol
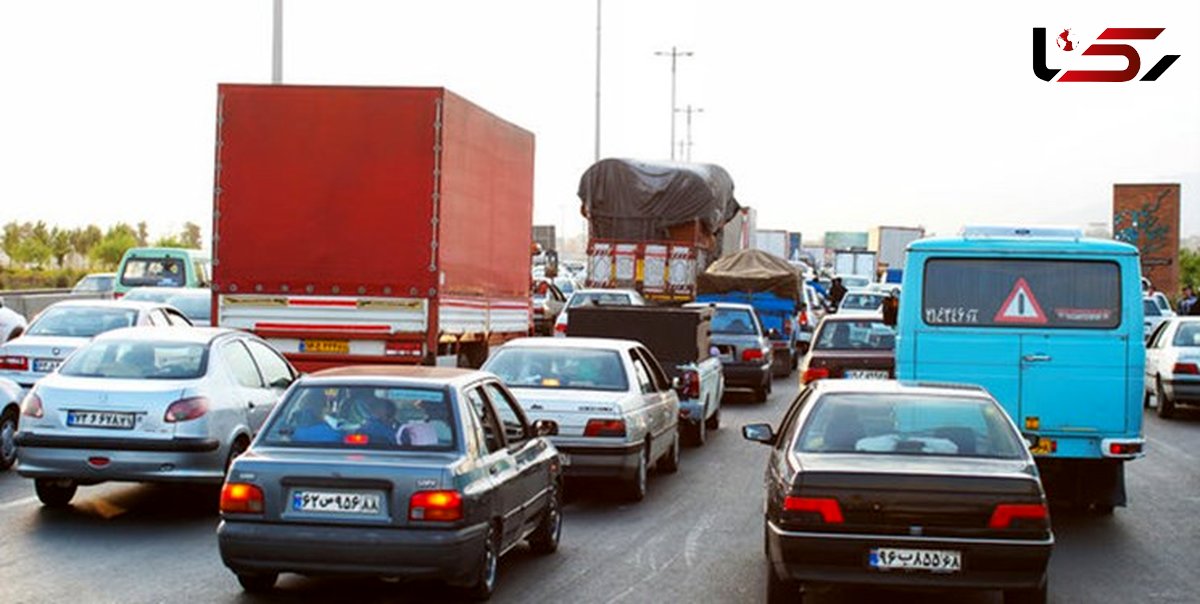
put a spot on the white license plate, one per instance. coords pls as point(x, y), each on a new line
point(934, 560)
point(101, 419)
point(337, 502)
point(866, 374)
point(45, 365)
point(726, 357)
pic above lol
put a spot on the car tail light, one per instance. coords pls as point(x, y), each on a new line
point(689, 384)
point(1124, 448)
point(32, 406)
point(402, 349)
point(1006, 513)
point(442, 506)
point(14, 363)
point(813, 374)
point(803, 317)
point(356, 439)
point(1186, 368)
point(752, 354)
point(560, 328)
point(241, 498)
point(186, 409)
point(605, 427)
point(826, 507)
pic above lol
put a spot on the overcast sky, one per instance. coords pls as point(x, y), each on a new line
point(828, 116)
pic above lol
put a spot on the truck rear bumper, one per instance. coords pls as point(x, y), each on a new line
point(747, 376)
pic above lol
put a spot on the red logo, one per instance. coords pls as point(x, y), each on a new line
point(1133, 60)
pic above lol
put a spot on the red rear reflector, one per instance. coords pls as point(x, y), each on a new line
point(402, 349)
point(1005, 513)
point(813, 374)
point(1186, 368)
point(14, 363)
point(752, 354)
point(441, 506)
point(356, 439)
point(605, 427)
point(99, 462)
point(827, 507)
point(241, 498)
point(560, 327)
point(32, 406)
point(186, 409)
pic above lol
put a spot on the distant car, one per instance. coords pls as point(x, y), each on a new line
point(616, 411)
point(66, 325)
point(602, 297)
point(887, 484)
point(861, 302)
point(12, 323)
point(148, 404)
point(548, 302)
point(411, 472)
point(1153, 314)
point(161, 266)
point(814, 309)
point(10, 412)
point(851, 347)
point(1173, 365)
point(194, 302)
point(745, 350)
point(96, 283)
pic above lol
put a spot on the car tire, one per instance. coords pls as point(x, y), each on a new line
point(545, 538)
point(669, 462)
point(489, 564)
point(1166, 406)
point(780, 590)
point(698, 432)
point(239, 446)
point(55, 492)
point(760, 394)
point(1037, 595)
point(8, 444)
point(714, 422)
point(1145, 397)
point(635, 487)
point(257, 583)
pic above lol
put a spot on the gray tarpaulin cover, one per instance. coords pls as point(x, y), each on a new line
point(753, 271)
point(638, 200)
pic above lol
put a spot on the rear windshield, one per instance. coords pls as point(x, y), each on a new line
point(81, 321)
point(855, 335)
point(891, 424)
point(1188, 335)
point(138, 359)
point(601, 299)
point(1150, 308)
point(93, 283)
point(559, 368)
point(164, 271)
point(862, 301)
point(363, 417)
point(734, 322)
point(196, 308)
point(1022, 293)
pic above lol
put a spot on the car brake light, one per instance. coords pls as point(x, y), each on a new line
point(442, 506)
point(1186, 368)
point(1006, 513)
point(186, 409)
point(605, 427)
point(14, 363)
point(32, 406)
point(804, 317)
point(752, 354)
point(356, 439)
point(1124, 448)
point(241, 498)
point(813, 374)
point(689, 386)
point(827, 507)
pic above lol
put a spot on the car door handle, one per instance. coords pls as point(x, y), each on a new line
point(1036, 358)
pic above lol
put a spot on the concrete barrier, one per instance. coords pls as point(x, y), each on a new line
point(30, 302)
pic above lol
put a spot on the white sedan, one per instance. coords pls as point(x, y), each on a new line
point(1173, 364)
point(10, 399)
point(12, 323)
point(148, 404)
point(861, 302)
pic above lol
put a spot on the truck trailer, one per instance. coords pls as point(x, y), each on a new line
point(891, 243)
point(370, 224)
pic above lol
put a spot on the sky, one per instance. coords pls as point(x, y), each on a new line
point(828, 116)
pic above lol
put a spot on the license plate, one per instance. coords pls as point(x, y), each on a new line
point(329, 346)
point(934, 560)
point(726, 357)
point(866, 374)
point(337, 502)
point(45, 365)
point(1045, 446)
point(565, 459)
point(101, 419)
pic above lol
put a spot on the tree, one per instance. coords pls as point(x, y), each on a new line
point(84, 239)
point(191, 235)
point(143, 233)
point(60, 245)
point(1189, 267)
point(109, 251)
point(169, 241)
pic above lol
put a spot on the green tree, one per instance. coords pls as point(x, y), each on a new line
point(1189, 267)
point(86, 238)
point(108, 252)
point(169, 241)
point(60, 245)
point(11, 239)
point(191, 235)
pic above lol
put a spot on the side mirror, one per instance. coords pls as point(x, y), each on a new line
point(545, 427)
point(760, 433)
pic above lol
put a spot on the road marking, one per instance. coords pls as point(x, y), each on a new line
point(691, 544)
point(16, 503)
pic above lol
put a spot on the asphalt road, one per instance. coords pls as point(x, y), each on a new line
point(696, 538)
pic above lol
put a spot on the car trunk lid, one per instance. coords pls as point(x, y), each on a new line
point(571, 409)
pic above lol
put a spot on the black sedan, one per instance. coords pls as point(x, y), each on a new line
point(420, 473)
point(889, 484)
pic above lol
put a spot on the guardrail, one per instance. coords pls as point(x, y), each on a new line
point(30, 302)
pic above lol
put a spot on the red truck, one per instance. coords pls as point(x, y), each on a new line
point(370, 224)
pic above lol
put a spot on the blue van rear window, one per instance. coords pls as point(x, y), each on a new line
point(998, 292)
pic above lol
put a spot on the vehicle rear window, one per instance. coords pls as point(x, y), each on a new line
point(138, 360)
point(862, 301)
point(1187, 336)
point(1150, 308)
point(559, 368)
point(905, 424)
point(363, 417)
point(733, 321)
point(81, 321)
point(600, 299)
point(1022, 293)
point(855, 335)
point(196, 308)
point(153, 271)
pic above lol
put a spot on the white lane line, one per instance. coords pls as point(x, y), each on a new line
point(16, 503)
point(691, 544)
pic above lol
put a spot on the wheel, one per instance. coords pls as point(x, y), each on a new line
point(635, 487)
point(781, 590)
point(55, 492)
point(1166, 406)
point(714, 422)
point(239, 446)
point(1036, 595)
point(545, 537)
point(698, 432)
point(669, 462)
point(8, 445)
point(485, 574)
point(257, 582)
point(1145, 398)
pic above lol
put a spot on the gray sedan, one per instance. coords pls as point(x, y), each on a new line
point(407, 472)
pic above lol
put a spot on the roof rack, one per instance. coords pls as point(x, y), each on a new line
point(1020, 231)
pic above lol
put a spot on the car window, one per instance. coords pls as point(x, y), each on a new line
point(241, 365)
point(510, 415)
point(559, 368)
point(81, 321)
point(733, 321)
point(156, 317)
point(662, 384)
point(787, 427)
point(195, 308)
point(363, 417)
point(1156, 337)
point(275, 371)
point(487, 418)
point(1150, 308)
point(201, 270)
point(600, 299)
point(862, 301)
point(855, 335)
point(1187, 336)
point(642, 374)
point(138, 359)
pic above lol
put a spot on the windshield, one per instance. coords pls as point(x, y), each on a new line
point(855, 281)
point(855, 335)
point(600, 299)
point(81, 321)
point(909, 424)
point(734, 321)
point(153, 271)
point(1188, 335)
point(862, 301)
point(363, 417)
point(196, 308)
point(138, 359)
point(1150, 308)
point(95, 283)
point(559, 368)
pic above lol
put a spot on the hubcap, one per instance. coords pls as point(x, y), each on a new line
point(8, 446)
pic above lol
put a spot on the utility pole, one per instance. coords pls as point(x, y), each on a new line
point(688, 129)
point(674, 54)
point(596, 154)
point(277, 44)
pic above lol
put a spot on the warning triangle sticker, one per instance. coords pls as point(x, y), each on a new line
point(1021, 307)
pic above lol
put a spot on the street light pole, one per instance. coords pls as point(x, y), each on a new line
point(277, 44)
point(596, 154)
point(688, 129)
point(674, 54)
